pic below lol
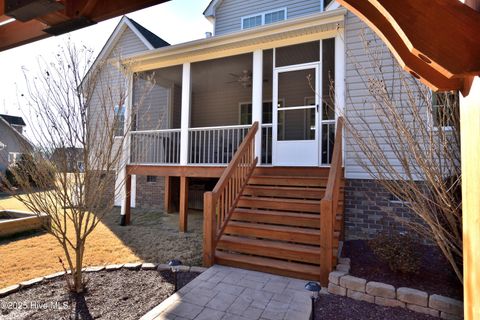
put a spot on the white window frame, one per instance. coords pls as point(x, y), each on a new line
point(262, 15)
point(14, 157)
point(116, 110)
point(432, 120)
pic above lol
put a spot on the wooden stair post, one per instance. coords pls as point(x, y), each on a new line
point(329, 206)
point(209, 227)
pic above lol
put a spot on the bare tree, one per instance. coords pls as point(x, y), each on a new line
point(408, 139)
point(75, 107)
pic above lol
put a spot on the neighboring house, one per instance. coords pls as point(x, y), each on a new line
point(12, 141)
point(270, 62)
point(68, 159)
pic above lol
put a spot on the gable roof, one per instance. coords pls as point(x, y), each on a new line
point(13, 120)
point(149, 39)
point(209, 12)
point(21, 136)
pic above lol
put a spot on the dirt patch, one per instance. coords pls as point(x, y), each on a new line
point(341, 308)
point(123, 294)
point(435, 275)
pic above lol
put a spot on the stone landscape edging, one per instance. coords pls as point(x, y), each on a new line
point(342, 284)
point(111, 267)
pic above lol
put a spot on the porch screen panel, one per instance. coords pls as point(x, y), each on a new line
point(296, 108)
point(297, 54)
point(328, 99)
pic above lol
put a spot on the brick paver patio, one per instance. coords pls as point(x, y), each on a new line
point(236, 294)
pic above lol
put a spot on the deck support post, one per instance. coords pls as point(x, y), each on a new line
point(167, 195)
point(257, 98)
point(185, 116)
point(125, 212)
point(470, 148)
point(209, 228)
point(183, 214)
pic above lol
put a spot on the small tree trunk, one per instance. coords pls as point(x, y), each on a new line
point(77, 277)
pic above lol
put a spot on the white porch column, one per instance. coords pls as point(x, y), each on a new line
point(121, 173)
point(185, 118)
point(470, 146)
point(257, 98)
point(340, 93)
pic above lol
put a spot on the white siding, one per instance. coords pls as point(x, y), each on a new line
point(229, 13)
point(361, 45)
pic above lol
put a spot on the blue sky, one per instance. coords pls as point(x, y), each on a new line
point(176, 21)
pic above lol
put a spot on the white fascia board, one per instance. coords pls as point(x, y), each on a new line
point(236, 39)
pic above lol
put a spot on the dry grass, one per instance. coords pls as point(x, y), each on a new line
point(153, 236)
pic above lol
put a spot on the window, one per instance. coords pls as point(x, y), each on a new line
point(14, 157)
point(246, 113)
point(151, 179)
point(326, 3)
point(119, 120)
point(264, 18)
point(445, 109)
point(80, 166)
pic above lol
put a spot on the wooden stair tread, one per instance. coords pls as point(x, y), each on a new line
point(269, 248)
point(269, 265)
point(284, 191)
point(299, 205)
point(279, 217)
point(288, 181)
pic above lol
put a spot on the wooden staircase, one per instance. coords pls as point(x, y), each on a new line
point(281, 220)
point(275, 226)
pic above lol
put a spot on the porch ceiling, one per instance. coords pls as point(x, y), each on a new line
point(309, 28)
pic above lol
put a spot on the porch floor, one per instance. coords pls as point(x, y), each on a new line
point(230, 293)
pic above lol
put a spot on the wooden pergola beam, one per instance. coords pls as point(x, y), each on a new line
point(17, 33)
point(412, 64)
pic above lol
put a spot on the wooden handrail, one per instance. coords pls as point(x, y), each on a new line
point(329, 205)
point(220, 203)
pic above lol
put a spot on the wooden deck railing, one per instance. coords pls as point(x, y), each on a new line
point(220, 203)
point(329, 206)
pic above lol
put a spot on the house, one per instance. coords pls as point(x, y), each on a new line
point(68, 159)
point(12, 141)
point(251, 106)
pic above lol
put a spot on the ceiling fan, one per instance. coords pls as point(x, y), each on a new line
point(244, 78)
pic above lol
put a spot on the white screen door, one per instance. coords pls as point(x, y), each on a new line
point(295, 116)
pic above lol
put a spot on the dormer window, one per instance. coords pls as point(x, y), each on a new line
point(264, 18)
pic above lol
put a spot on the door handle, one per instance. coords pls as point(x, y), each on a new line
point(318, 107)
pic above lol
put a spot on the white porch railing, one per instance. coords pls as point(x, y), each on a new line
point(214, 145)
point(266, 143)
point(155, 147)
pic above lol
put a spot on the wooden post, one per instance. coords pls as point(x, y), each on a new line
point(326, 240)
point(209, 227)
point(470, 146)
point(128, 190)
point(183, 215)
point(167, 201)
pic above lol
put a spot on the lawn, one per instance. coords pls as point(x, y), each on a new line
point(152, 237)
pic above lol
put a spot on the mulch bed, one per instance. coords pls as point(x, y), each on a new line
point(435, 275)
point(342, 308)
point(122, 294)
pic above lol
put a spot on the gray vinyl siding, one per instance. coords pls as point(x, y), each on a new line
point(129, 43)
point(361, 43)
point(228, 15)
point(110, 87)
